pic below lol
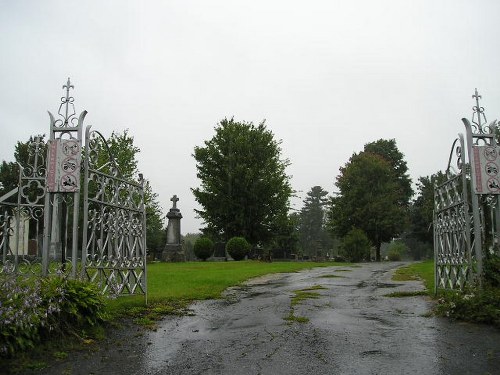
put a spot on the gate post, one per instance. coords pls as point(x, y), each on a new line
point(63, 177)
point(478, 238)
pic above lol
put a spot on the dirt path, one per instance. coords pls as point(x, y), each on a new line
point(352, 328)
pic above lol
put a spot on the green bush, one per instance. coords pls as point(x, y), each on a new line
point(355, 246)
point(33, 309)
point(474, 305)
point(396, 250)
point(238, 248)
point(393, 255)
point(492, 270)
point(81, 303)
point(203, 248)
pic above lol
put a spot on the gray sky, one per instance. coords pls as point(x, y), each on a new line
point(328, 77)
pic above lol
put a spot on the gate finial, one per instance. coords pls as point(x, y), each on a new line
point(478, 111)
point(67, 101)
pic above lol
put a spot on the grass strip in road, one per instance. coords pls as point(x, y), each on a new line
point(307, 293)
point(417, 271)
point(300, 296)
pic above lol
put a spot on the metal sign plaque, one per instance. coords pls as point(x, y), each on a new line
point(63, 175)
point(486, 169)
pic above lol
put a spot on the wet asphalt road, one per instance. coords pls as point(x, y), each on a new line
point(352, 328)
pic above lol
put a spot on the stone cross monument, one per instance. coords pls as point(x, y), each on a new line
point(173, 251)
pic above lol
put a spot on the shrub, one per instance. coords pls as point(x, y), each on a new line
point(238, 248)
point(393, 256)
point(32, 309)
point(396, 250)
point(492, 270)
point(203, 248)
point(473, 305)
point(81, 303)
point(356, 246)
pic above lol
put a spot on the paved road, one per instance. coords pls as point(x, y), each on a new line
point(352, 328)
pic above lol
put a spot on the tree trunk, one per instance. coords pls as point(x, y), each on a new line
point(377, 255)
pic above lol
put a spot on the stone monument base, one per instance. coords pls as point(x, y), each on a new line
point(173, 253)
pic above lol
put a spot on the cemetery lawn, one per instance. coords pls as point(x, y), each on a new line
point(173, 286)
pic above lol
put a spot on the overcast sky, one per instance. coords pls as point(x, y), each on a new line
point(328, 77)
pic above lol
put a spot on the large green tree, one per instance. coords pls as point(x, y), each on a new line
point(370, 199)
point(244, 189)
point(314, 237)
point(388, 149)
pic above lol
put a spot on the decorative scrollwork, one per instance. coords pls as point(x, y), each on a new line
point(115, 232)
point(68, 114)
point(479, 117)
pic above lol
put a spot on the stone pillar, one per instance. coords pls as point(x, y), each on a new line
point(173, 251)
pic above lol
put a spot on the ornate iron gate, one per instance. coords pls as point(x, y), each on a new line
point(466, 206)
point(40, 219)
point(22, 215)
point(114, 236)
point(452, 224)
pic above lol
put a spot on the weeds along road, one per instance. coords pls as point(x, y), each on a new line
point(323, 321)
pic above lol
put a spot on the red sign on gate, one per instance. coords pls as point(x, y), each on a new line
point(486, 169)
point(63, 174)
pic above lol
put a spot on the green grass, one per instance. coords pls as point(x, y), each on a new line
point(418, 271)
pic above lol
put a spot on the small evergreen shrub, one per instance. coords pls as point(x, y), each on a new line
point(238, 248)
point(203, 248)
point(356, 246)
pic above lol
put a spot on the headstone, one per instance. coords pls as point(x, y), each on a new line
point(20, 229)
point(173, 251)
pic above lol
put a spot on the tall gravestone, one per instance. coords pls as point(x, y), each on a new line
point(173, 251)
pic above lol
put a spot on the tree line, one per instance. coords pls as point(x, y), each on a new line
point(245, 191)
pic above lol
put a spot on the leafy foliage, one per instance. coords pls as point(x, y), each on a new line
point(473, 305)
point(314, 237)
point(388, 150)
point(238, 248)
point(203, 248)
point(476, 304)
point(370, 199)
point(286, 238)
point(356, 246)
point(396, 250)
point(419, 236)
point(31, 310)
point(492, 270)
point(244, 188)
point(124, 151)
